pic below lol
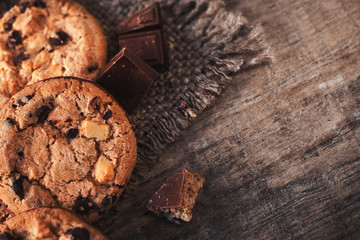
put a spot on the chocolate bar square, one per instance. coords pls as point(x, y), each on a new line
point(147, 18)
point(127, 78)
point(149, 46)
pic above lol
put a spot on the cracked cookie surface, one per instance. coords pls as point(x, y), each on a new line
point(42, 39)
point(64, 142)
point(48, 223)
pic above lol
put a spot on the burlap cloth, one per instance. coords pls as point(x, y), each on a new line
point(207, 44)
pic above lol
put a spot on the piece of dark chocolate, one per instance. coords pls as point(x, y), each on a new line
point(127, 78)
point(170, 194)
point(147, 18)
point(148, 45)
point(176, 198)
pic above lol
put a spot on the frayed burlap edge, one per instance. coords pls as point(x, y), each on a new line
point(226, 43)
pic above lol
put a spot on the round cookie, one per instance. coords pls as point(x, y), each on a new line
point(64, 142)
point(48, 223)
point(41, 39)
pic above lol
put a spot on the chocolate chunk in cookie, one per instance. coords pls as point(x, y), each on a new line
point(14, 39)
point(10, 121)
point(21, 57)
point(60, 40)
point(72, 133)
point(108, 114)
point(83, 205)
point(92, 68)
point(18, 187)
point(79, 233)
point(42, 113)
point(8, 24)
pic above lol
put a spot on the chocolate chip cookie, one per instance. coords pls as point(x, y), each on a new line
point(64, 142)
point(48, 223)
point(41, 39)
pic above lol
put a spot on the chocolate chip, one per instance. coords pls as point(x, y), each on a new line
point(82, 205)
point(72, 133)
point(105, 201)
point(51, 50)
point(21, 57)
point(18, 187)
point(10, 121)
point(24, 6)
point(20, 154)
point(14, 39)
point(61, 40)
point(63, 36)
point(108, 114)
point(14, 106)
point(5, 236)
point(20, 102)
point(8, 24)
point(29, 97)
point(55, 41)
point(92, 68)
point(95, 103)
point(39, 3)
point(42, 113)
point(79, 233)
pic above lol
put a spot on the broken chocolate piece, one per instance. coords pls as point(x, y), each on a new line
point(149, 46)
point(176, 197)
point(145, 19)
point(170, 193)
point(143, 34)
point(127, 78)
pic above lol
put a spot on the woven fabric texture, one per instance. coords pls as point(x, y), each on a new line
point(207, 44)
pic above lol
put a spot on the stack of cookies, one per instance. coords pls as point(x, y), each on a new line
point(67, 149)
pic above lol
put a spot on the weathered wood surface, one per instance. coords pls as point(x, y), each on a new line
point(280, 149)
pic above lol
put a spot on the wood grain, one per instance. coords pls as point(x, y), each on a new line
point(280, 149)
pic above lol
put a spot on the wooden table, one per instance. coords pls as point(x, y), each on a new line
point(280, 149)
